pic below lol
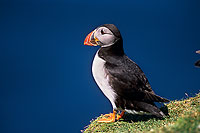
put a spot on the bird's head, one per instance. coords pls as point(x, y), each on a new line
point(105, 35)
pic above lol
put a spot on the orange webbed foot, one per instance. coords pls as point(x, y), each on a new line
point(108, 118)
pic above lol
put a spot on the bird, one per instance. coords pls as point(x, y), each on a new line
point(119, 78)
point(197, 63)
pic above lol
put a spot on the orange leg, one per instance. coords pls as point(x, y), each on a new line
point(121, 115)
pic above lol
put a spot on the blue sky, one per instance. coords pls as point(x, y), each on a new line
point(45, 73)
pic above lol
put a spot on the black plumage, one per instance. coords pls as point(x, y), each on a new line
point(197, 64)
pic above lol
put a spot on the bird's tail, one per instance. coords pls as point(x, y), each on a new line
point(155, 98)
point(151, 109)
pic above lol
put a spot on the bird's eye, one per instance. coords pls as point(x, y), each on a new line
point(102, 32)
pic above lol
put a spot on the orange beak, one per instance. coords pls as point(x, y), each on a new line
point(90, 40)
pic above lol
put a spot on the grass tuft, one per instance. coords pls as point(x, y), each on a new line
point(184, 116)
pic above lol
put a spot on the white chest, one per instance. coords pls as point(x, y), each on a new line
point(102, 79)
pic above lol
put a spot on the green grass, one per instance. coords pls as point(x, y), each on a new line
point(184, 116)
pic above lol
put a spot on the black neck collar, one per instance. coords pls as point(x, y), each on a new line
point(115, 50)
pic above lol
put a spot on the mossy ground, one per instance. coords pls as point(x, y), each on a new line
point(184, 116)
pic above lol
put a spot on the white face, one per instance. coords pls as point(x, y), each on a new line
point(105, 36)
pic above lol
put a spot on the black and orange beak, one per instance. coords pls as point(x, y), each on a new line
point(91, 40)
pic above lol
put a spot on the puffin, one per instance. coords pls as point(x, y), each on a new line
point(197, 63)
point(119, 78)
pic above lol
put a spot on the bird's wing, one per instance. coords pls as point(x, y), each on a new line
point(197, 64)
point(129, 81)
